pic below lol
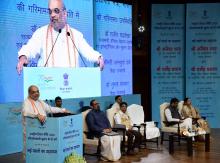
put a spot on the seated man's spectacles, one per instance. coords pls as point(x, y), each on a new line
point(56, 10)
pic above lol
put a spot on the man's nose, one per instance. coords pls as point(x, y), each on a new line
point(53, 14)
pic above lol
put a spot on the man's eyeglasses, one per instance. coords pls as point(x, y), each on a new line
point(56, 10)
point(33, 92)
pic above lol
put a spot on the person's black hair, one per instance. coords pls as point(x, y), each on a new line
point(116, 97)
point(123, 103)
point(186, 99)
point(91, 102)
point(173, 100)
point(58, 98)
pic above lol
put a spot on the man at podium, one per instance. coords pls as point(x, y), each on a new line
point(57, 44)
point(35, 108)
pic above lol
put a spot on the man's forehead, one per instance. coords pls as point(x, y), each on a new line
point(34, 89)
point(55, 4)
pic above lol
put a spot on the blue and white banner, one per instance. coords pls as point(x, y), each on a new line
point(63, 82)
point(167, 54)
point(10, 128)
point(54, 140)
point(202, 59)
point(114, 40)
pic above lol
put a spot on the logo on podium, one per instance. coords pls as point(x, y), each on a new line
point(65, 81)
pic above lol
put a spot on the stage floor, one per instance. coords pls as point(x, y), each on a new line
point(156, 155)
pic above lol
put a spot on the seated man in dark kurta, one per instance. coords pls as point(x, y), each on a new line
point(97, 121)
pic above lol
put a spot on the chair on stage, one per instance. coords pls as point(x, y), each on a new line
point(87, 141)
point(149, 130)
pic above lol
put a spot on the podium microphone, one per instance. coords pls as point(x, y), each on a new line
point(68, 34)
point(60, 30)
point(51, 113)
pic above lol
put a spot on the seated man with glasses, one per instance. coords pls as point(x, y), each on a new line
point(99, 126)
point(57, 43)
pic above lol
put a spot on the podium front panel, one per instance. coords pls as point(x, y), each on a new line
point(54, 140)
point(63, 82)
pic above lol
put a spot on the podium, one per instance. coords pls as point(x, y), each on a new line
point(54, 140)
point(63, 82)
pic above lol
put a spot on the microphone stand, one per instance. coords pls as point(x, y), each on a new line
point(51, 113)
point(68, 34)
point(52, 47)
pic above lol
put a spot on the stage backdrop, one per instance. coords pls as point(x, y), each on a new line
point(167, 55)
point(202, 59)
point(19, 19)
point(195, 72)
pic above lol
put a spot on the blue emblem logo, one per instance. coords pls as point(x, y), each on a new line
point(65, 78)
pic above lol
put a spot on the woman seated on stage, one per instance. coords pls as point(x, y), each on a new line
point(188, 111)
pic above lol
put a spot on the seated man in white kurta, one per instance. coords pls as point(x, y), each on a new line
point(134, 137)
point(35, 108)
point(172, 115)
point(62, 53)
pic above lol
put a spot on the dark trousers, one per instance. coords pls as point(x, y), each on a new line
point(133, 135)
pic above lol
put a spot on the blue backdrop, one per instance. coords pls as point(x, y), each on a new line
point(186, 67)
point(167, 55)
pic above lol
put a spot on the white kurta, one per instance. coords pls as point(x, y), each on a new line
point(119, 116)
point(187, 123)
point(116, 106)
point(39, 43)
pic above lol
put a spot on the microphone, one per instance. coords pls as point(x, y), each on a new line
point(68, 34)
point(60, 30)
point(51, 113)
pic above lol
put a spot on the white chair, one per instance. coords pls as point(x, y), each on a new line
point(147, 129)
point(86, 141)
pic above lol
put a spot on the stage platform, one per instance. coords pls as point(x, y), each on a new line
point(156, 155)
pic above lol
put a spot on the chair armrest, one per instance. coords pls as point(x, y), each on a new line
point(137, 126)
point(119, 127)
point(171, 123)
point(156, 124)
point(88, 136)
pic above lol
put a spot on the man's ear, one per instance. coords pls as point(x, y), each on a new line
point(65, 14)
